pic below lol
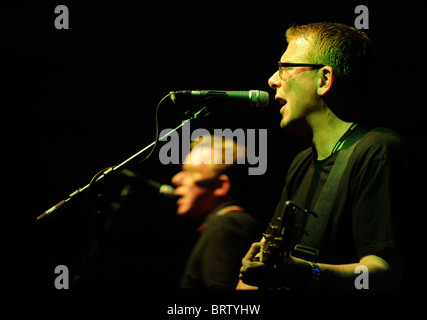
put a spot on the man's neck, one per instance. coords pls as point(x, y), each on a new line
point(327, 129)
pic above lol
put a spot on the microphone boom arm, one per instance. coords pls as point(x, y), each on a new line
point(102, 174)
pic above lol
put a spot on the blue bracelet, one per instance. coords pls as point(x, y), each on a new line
point(314, 282)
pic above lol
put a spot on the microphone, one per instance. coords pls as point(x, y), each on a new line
point(255, 98)
point(163, 189)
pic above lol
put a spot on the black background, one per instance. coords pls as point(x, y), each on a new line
point(76, 101)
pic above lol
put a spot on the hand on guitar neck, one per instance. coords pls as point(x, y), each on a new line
point(292, 273)
point(268, 263)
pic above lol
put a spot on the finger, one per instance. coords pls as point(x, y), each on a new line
point(253, 251)
point(253, 274)
point(255, 247)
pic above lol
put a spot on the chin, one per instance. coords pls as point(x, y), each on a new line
point(284, 123)
point(181, 210)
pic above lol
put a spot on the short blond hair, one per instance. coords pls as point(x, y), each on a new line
point(231, 162)
point(226, 152)
point(346, 49)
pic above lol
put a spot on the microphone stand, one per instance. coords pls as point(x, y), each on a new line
point(101, 175)
point(92, 272)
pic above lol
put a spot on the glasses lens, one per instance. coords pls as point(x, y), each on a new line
point(284, 73)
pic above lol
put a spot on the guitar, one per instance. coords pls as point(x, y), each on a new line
point(278, 242)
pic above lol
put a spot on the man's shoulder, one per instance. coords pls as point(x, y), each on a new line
point(235, 216)
point(382, 143)
point(382, 136)
point(302, 157)
point(234, 220)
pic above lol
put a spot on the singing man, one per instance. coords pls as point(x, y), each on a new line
point(321, 84)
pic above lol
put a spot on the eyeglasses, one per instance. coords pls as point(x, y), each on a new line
point(284, 74)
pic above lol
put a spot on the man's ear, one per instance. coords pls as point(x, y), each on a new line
point(326, 79)
point(223, 187)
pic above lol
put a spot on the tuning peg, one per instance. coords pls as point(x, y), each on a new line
point(272, 226)
point(267, 236)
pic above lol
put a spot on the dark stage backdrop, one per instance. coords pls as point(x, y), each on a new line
point(76, 101)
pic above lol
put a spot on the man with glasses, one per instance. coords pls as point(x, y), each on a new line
point(321, 86)
point(211, 187)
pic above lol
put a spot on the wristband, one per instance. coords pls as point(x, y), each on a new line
point(314, 282)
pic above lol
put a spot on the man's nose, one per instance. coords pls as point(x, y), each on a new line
point(176, 179)
point(274, 81)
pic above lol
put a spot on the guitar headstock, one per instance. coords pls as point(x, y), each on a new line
point(278, 233)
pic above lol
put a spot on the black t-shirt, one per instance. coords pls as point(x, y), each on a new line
point(368, 216)
point(216, 258)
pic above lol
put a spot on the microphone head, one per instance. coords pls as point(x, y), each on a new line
point(166, 190)
point(258, 98)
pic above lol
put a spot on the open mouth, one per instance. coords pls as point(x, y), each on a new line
point(280, 100)
point(284, 103)
point(177, 195)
